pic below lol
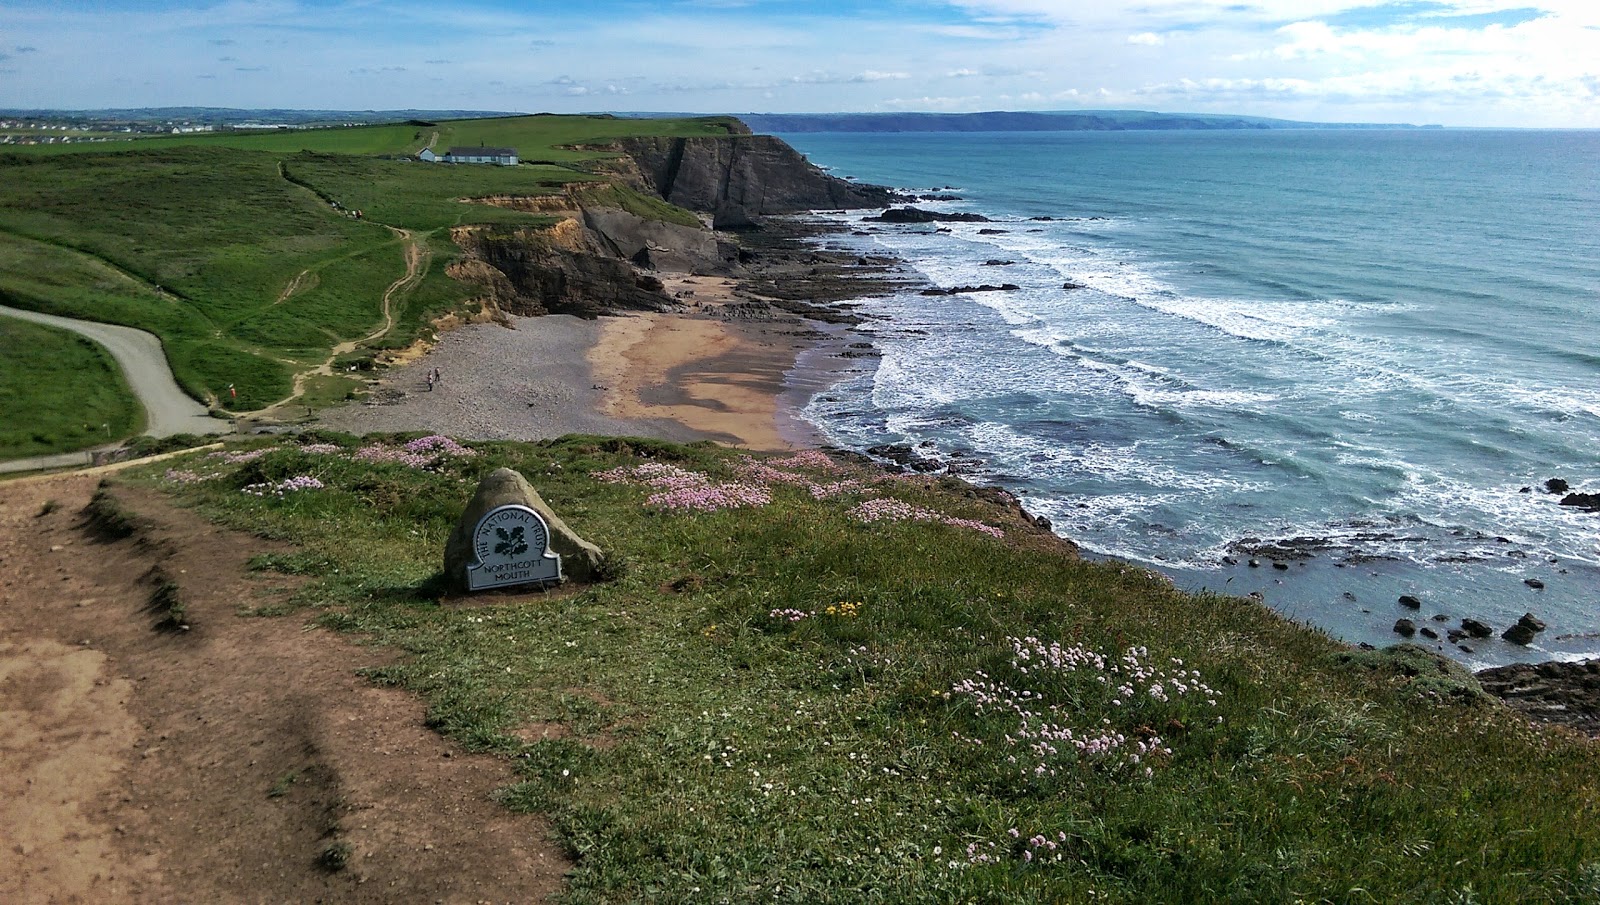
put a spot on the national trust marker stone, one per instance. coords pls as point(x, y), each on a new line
point(508, 537)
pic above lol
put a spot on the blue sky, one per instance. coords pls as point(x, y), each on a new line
point(1457, 62)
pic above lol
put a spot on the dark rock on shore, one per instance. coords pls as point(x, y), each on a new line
point(996, 262)
point(1476, 629)
point(1524, 631)
point(1405, 628)
point(1288, 548)
point(1406, 600)
point(942, 197)
point(1564, 693)
point(1589, 502)
point(958, 290)
point(908, 457)
point(1070, 285)
point(993, 232)
point(1556, 485)
point(918, 215)
point(1534, 583)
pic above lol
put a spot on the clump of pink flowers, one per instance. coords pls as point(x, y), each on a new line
point(185, 476)
point(421, 453)
point(1050, 684)
point(239, 458)
point(679, 488)
point(887, 509)
point(815, 471)
point(1035, 849)
point(283, 488)
point(791, 470)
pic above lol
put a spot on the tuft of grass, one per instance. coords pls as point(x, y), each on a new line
point(335, 857)
point(284, 783)
point(784, 701)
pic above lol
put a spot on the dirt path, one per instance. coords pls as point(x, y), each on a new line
point(300, 283)
point(220, 763)
point(417, 258)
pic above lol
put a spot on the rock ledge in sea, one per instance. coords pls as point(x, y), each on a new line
point(1567, 694)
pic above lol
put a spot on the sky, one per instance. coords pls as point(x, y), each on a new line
point(1451, 62)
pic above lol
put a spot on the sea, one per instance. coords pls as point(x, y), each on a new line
point(1354, 357)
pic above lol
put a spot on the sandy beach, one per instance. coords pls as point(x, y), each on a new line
point(690, 375)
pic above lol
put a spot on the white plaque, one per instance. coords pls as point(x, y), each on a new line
point(512, 544)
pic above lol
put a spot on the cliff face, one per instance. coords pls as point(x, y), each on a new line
point(740, 177)
point(557, 271)
point(590, 263)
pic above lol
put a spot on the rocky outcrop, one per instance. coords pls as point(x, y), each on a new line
point(918, 215)
point(562, 270)
point(653, 244)
point(738, 178)
point(1589, 502)
point(962, 290)
point(1564, 693)
point(1524, 631)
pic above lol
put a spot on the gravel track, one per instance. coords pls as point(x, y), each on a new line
point(531, 382)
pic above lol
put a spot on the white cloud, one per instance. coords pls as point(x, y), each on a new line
point(1293, 58)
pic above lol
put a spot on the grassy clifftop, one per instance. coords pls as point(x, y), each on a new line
point(807, 680)
point(243, 253)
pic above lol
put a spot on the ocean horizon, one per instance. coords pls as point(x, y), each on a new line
point(1354, 358)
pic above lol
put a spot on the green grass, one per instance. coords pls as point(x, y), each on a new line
point(425, 196)
point(541, 138)
point(690, 746)
point(221, 233)
point(59, 392)
point(196, 238)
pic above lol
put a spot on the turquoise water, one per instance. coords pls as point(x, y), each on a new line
point(1370, 340)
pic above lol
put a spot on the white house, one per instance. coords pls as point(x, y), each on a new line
point(503, 156)
point(428, 155)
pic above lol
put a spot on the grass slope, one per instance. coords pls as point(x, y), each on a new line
point(59, 392)
point(236, 249)
point(783, 702)
point(536, 138)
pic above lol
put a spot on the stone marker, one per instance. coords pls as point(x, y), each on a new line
point(508, 536)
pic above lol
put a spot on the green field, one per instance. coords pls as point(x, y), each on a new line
point(239, 251)
point(59, 392)
point(536, 138)
point(783, 702)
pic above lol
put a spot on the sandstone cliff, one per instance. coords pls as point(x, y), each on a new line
point(738, 178)
point(593, 261)
point(563, 270)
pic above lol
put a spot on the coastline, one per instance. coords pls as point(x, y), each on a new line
point(735, 358)
point(727, 365)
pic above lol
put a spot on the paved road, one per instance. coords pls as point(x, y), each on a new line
point(167, 410)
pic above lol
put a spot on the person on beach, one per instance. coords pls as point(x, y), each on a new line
point(430, 382)
point(438, 376)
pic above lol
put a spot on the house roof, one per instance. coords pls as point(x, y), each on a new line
point(481, 152)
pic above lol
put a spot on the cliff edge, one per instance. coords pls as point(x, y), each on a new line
point(737, 178)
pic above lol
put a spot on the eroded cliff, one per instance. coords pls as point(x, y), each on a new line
point(738, 177)
point(598, 257)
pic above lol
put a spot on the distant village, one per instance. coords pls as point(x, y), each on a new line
point(60, 132)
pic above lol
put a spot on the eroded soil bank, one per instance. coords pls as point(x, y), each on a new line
point(242, 759)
